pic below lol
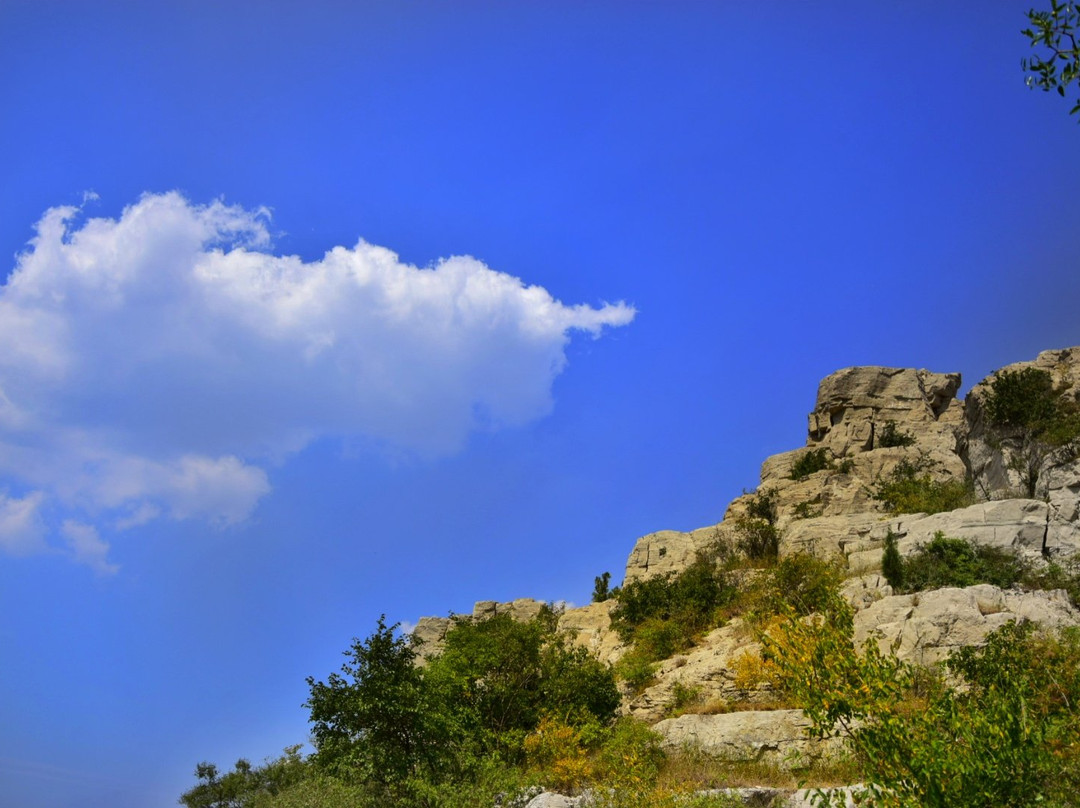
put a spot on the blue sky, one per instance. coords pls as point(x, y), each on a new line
point(318, 311)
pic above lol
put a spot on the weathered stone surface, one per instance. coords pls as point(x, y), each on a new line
point(854, 404)
point(989, 454)
point(551, 800)
point(429, 634)
point(804, 797)
point(590, 627)
point(705, 669)
point(766, 736)
point(1010, 524)
point(667, 551)
point(828, 536)
point(928, 626)
point(831, 492)
point(522, 609)
point(863, 591)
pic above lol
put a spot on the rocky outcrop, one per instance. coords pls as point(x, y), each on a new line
point(1012, 524)
point(995, 459)
point(926, 627)
point(776, 737)
point(667, 551)
point(854, 405)
point(707, 671)
point(590, 627)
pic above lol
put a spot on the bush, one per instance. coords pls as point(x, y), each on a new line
point(691, 600)
point(892, 565)
point(910, 488)
point(1007, 737)
point(757, 538)
point(763, 505)
point(812, 461)
point(959, 562)
point(891, 436)
point(802, 583)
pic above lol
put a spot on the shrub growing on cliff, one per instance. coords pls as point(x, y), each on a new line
point(810, 462)
point(959, 562)
point(911, 488)
point(1006, 738)
point(1024, 407)
point(892, 436)
point(892, 565)
point(663, 615)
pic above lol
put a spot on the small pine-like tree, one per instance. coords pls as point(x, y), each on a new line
point(892, 566)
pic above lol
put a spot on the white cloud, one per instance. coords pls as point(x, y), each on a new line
point(87, 547)
point(22, 531)
point(154, 364)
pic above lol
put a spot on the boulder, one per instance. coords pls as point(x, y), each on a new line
point(776, 737)
point(926, 627)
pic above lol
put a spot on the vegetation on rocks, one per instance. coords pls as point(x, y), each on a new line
point(911, 488)
point(1005, 734)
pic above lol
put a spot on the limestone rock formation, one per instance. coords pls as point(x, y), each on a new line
point(926, 627)
point(590, 627)
point(777, 737)
point(667, 551)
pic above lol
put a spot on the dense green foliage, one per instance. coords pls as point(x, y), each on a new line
point(958, 562)
point(810, 462)
point(911, 488)
point(1005, 735)
point(892, 565)
point(1035, 419)
point(602, 588)
point(1058, 64)
point(389, 732)
point(377, 722)
point(664, 614)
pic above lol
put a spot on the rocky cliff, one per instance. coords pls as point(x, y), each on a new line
point(869, 425)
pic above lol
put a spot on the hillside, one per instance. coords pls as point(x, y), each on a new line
point(938, 536)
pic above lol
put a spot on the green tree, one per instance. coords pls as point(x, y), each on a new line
point(1053, 32)
point(500, 676)
point(376, 722)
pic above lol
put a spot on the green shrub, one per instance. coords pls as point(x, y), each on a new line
point(664, 614)
point(802, 583)
point(810, 462)
point(891, 436)
point(911, 488)
point(959, 562)
point(763, 505)
point(808, 509)
point(636, 669)
point(757, 538)
point(892, 565)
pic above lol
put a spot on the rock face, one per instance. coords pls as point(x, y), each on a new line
point(778, 737)
point(590, 627)
point(1011, 524)
point(992, 456)
point(667, 551)
point(928, 626)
